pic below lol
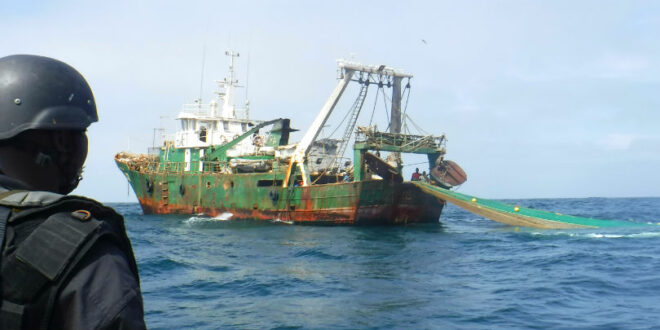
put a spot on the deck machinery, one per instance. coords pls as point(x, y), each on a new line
point(222, 164)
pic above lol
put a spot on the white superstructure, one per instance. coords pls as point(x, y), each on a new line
point(219, 121)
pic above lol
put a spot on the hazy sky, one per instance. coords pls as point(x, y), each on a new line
point(537, 98)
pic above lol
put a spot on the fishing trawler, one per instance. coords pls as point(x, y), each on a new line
point(223, 164)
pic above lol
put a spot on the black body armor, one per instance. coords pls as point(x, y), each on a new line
point(44, 236)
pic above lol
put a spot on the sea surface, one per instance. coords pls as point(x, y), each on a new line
point(465, 272)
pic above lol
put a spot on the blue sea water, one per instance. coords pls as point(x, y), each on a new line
point(464, 273)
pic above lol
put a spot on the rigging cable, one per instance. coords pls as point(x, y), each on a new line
point(374, 109)
point(387, 115)
point(404, 165)
point(417, 126)
point(350, 110)
point(340, 123)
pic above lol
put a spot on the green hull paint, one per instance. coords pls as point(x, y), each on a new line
point(220, 163)
point(261, 196)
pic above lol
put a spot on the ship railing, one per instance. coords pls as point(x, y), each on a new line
point(215, 167)
point(142, 166)
point(206, 110)
point(199, 109)
point(193, 166)
point(407, 141)
point(241, 113)
point(150, 165)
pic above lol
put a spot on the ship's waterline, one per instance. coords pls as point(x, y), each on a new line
point(222, 162)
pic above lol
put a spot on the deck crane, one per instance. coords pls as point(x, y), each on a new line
point(347, 69)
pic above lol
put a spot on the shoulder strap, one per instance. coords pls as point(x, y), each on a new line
point(69, 203)
point(39, 260)
point(5, 212)
point(26, 198)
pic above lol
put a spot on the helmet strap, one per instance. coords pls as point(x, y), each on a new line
point(57, 157)
point(64, 167)
point(49, 157)
point(43, 159)
point(67, 187)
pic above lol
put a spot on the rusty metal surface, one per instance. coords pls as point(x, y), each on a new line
point(246, 197)
point(382, 168)
point(448, 173)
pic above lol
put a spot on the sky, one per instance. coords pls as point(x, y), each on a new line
point(538, 99)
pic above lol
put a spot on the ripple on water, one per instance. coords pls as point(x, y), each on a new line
point(317, 253)
point(162, 265)
point(469, 273)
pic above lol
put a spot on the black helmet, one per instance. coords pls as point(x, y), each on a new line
point(38, 92)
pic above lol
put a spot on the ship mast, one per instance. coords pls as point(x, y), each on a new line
point(231, 55)
point(228, 107)
point(395, 116)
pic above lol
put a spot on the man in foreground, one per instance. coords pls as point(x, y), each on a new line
point(66, 260)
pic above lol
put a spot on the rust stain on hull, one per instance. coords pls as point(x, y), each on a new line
point(384, 214)
point(245, 196)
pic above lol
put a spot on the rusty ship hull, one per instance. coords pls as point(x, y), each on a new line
point(257, 196)
point(222, 164)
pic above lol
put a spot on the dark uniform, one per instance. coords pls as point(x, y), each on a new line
point(66, 262)
point(97, 289)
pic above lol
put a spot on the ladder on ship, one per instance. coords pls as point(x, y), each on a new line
point(354, 113)
point(165, 193)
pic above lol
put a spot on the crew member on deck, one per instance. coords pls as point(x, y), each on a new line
point(425, 177)
point(416, 175)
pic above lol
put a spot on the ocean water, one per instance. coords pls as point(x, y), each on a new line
point(466, 272)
